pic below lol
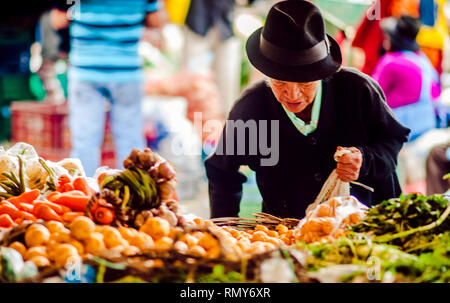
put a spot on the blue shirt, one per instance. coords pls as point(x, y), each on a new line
point(104, 40)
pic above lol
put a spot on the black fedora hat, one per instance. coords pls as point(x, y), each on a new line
point(292, 45)
point(402, 32)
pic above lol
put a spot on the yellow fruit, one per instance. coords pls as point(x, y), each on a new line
point(197, 251)
point(164, 243)
point(78, 246)
point(190, 240)
point(213, 253)
point(38, 235)
point(131, 250)
point(142, 241)
point(259, 236)
point(62, 236)
point(82, 227)
point(68, 258)
point(112, 237)
point(55, 226)
point(281, 229)
point(181, 247)
point(272, 233)
point(35, 251)
point(51, 249)
point(94, 244)
point(208, 241)
point(127, 233)
point(19, 247)
point(261, 228)
point(40, 261)
point(156, 227)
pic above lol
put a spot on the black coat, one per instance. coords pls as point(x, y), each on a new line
point(353, 113)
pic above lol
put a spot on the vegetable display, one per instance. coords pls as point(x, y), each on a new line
point(127, 226)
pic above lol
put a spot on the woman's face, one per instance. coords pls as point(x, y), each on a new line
point(295, 96)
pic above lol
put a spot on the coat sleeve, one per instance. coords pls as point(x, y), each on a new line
point(225, 180)
point(387, 135)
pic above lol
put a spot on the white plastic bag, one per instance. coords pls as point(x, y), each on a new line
point(333, 186)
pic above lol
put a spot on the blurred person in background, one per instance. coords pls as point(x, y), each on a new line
point(105, 66)
point(409, 81)
point(55, 45)
point(209, 29)
point(368, 40)
point(437, 165)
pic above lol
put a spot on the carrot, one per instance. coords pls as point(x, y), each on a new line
point(70, 216)
point(63, 180)
point(6, 221)
point(67, 187)
point(26, 197)
point(104, 215)
point(18, 220)
point(74, 193)
point(75, 203)
point(59, 209)
point(28, 216)
point(27, 207)
point(45, 212)
point(10, 209)
point(81, 184)
point(53, 196)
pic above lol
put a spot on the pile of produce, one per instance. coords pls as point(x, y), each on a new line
point(127, 226)
point(400, 240)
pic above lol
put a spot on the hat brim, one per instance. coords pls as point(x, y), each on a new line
point(293, 73)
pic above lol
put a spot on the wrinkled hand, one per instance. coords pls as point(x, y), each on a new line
point(348, 165)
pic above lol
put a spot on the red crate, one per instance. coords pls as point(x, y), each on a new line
point(45, 125)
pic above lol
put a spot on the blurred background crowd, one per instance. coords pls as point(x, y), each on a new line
point(182, 64)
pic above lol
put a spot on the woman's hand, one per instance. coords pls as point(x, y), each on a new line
point(348, 165)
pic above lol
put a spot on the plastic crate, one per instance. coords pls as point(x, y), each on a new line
point(45, 125)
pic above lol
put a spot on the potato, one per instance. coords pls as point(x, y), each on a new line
point(131, 250)
point(197, 251)
point(94, 244)
point(156, 227)
point(281, 229)
point(40, 261)
point(78, 245)
point(142, 241)
point(19, 247)
point(261, 228)
point(38, 235)
point(112, 237)
point(82, 227)
point(35, 251)
point(259, 236)
point(181, 247)
point(62, 236)
point(189, 239)
point(68, 258)
point(213, 253)
point(164, 243)
point(127, 233)
point(272, 233)
point(208, 241)
point(55, 226)
point(324, 211)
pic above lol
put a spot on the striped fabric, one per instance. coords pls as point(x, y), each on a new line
point(104, 40)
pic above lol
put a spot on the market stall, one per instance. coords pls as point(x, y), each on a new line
point(57, 225)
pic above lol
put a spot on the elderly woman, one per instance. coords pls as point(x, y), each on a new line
point(307, 108)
